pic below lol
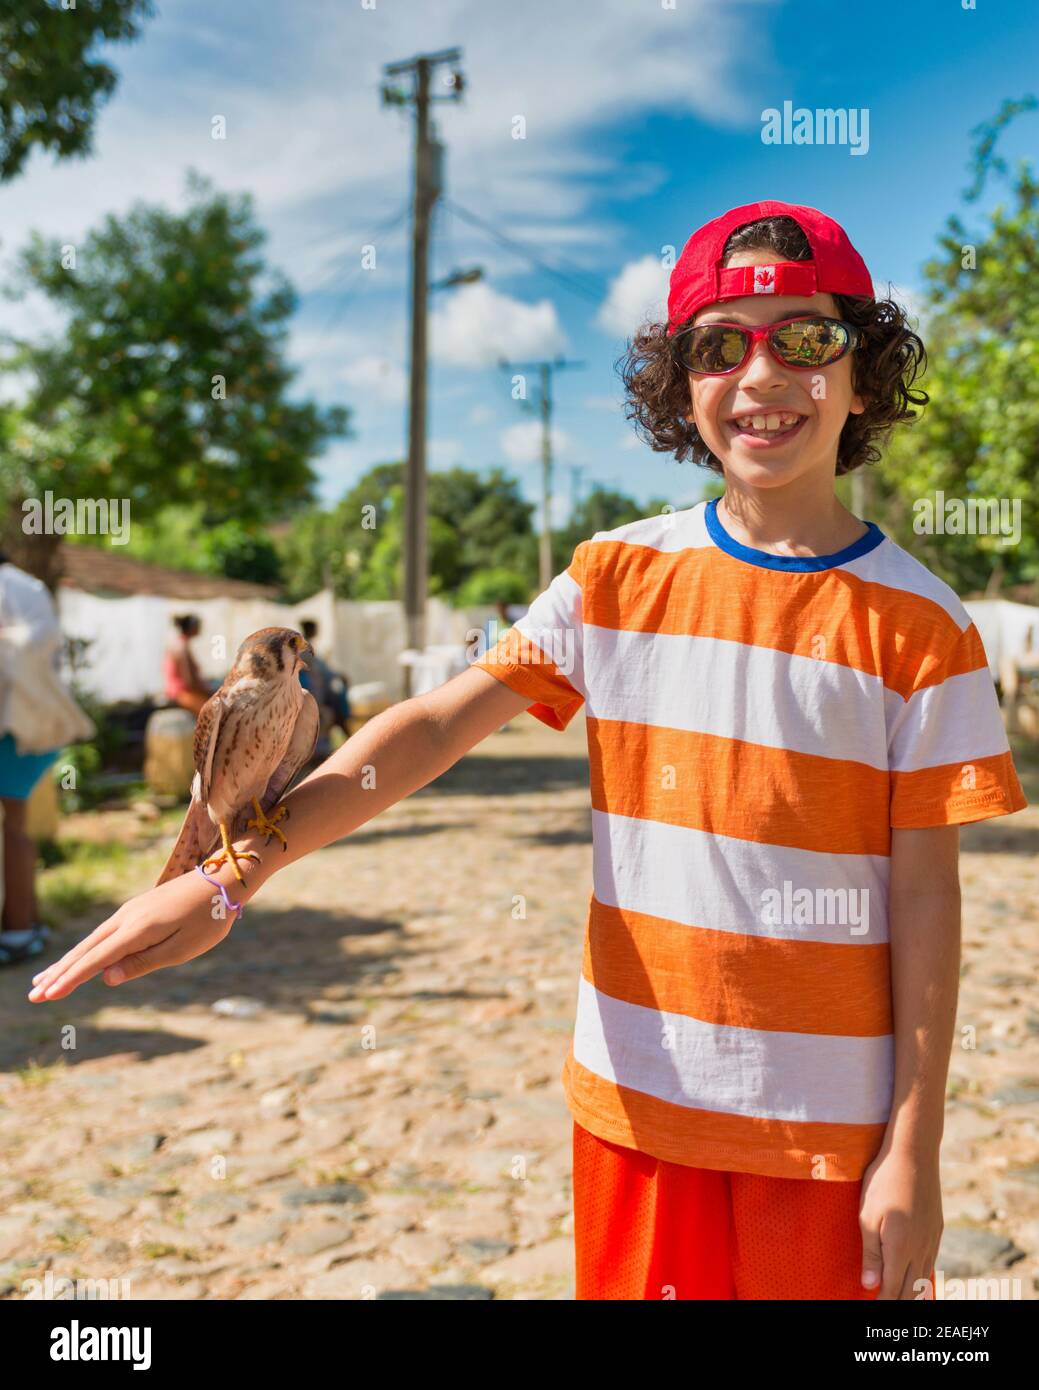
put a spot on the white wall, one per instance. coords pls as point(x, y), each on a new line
point(129, 636)
point(1007, 630)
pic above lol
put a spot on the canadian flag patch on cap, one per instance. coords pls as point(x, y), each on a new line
point(765, 279)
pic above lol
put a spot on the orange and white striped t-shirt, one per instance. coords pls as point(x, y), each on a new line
point(757, 724)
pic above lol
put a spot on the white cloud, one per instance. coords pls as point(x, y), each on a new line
point(445, 453)
point(379, 378)
point(521, 443)
point(475, 326)
point(309, 137)
point(328, 164)
point(638, 293)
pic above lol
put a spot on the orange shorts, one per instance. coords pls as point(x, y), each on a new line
point(646, 1228)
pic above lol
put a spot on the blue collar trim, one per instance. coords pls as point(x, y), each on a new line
point(799, 563)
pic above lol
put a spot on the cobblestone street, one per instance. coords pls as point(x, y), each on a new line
point(357, 1094)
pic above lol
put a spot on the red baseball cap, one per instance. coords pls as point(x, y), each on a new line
point(698, 277)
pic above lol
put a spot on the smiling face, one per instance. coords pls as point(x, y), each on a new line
point(769, 424)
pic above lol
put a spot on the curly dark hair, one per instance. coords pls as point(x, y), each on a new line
point(885, 365)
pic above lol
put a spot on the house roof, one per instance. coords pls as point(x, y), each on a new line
point(106, 571)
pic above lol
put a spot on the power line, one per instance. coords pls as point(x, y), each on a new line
point(590, 287)
point(343, 297)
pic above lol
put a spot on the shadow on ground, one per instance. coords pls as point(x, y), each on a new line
point(287, 961)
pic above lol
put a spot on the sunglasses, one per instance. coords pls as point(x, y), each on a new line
point(806, 344)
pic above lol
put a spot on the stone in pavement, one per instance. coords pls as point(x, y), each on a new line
point(966, 1251)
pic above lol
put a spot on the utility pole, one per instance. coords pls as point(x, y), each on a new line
point(544, 370)
point(427, 188)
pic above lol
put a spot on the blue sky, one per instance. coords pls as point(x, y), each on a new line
point(642, 122)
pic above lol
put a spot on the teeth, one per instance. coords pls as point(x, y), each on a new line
point(778, 420)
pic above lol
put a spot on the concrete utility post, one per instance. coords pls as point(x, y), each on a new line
point(544, 370)
point(427, 188)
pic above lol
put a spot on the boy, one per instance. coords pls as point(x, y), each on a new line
point(788, 718)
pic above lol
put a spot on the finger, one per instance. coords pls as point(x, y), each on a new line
point(120, 965)
point(107, 952)
point(178, 947)
point(872, 1258)
point(89, 943)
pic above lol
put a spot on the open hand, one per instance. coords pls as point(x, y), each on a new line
point(167, 925)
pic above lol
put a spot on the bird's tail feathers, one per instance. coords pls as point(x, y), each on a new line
point(198, 838)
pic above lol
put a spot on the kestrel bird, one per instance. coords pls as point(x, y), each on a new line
point(252, 736)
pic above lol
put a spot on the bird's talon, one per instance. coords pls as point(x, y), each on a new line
point(267, 825)
point(210, 866)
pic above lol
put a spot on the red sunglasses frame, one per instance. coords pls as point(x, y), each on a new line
point(764, 331)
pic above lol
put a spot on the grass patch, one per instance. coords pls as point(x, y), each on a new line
point(38, 1189)
point(82, 852)
point(67, 898)
point(68, 1240)
point(32, 1074)
point(81, 875)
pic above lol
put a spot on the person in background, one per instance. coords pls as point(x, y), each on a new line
point(37, 719)
point(182, 679)
point(329, 688)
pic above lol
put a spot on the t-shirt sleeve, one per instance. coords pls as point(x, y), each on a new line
point(948, 754)
point(542, 654)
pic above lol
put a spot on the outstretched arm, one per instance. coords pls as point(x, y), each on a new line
point(391, 756)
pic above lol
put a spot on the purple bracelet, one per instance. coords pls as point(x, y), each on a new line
point(236, 907)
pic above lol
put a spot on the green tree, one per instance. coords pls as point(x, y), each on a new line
point(979, 436)
point(240, 550)
point(493, 586)
point(476, 523)
point(51, 81)
point(601, 510)
point(168, 384)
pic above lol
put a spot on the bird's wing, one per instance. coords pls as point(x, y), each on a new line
point(207, 730)
point(297, 755)
point(198, 836)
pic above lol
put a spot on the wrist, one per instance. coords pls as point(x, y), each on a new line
point(254, 872)
point(916, 1141)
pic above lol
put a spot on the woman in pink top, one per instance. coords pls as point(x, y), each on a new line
point(183, 681)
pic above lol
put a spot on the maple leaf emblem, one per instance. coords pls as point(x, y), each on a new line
point(764, 280)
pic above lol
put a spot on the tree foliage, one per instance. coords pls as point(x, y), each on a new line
point(601, 510)
point(979, 436)
point(476, 523)
point(168, 383)
point(51, 80)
